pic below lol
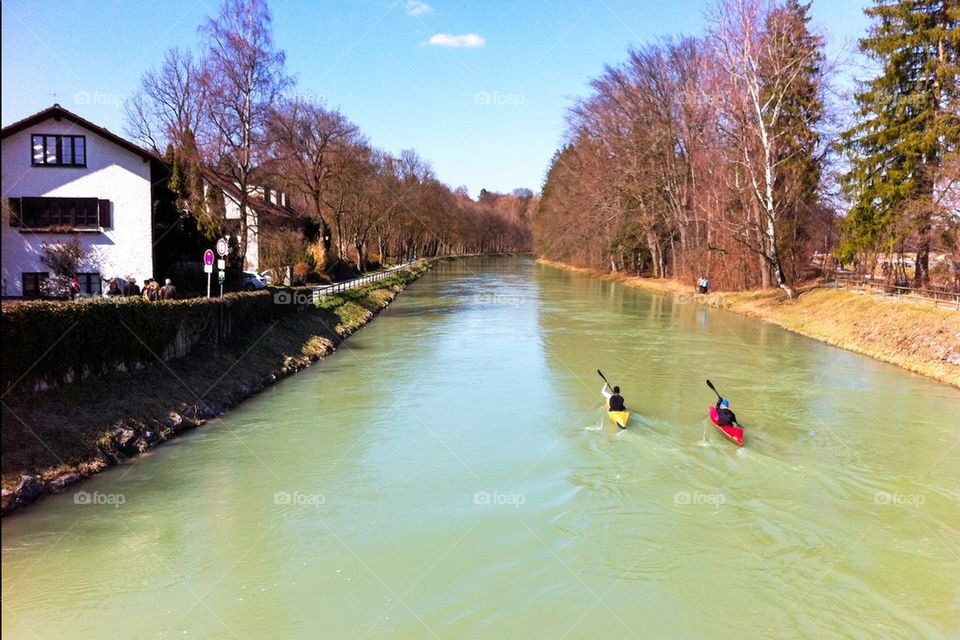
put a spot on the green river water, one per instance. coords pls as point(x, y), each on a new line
point(450, 473)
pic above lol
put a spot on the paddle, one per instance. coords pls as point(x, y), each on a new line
point(719, 397)
point(710, 384)
point(609, 386)
point(604, 378)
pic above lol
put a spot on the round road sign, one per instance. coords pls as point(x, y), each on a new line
point(208, 257)
point(222, 246)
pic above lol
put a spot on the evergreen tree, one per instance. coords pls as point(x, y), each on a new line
point(175, 183)
point(802, 110)
point(904, 126)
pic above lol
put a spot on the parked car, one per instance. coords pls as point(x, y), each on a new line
point(270, 277)
point(253, 281)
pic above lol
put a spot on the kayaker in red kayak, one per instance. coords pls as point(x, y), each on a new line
point(725, 417)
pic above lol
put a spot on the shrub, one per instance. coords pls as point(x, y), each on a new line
point(51, 342)
point(300, 271)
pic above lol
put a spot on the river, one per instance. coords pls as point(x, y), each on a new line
point(450, 472)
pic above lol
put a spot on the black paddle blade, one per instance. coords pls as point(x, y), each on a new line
point(605, 381)
point(710, 384)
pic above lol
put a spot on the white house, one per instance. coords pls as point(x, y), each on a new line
point(268, 207)
point(64, 177)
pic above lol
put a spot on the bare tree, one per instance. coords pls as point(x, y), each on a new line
point(171, 102)
point(309, 143)
point(762, 71)
point(244, 77)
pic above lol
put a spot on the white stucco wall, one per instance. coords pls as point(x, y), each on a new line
point(232, 212)
point(112, 173)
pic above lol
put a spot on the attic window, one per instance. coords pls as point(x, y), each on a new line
point(59, 151)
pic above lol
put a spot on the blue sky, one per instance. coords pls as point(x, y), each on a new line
point(488, 115)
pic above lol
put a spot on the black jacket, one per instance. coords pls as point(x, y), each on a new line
point(725, 417)
point(616, 403)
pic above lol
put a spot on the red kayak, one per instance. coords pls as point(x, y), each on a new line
point(731, 433)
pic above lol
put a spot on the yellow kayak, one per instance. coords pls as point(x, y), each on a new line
point(619, 418)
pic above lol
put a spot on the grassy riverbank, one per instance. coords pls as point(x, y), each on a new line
point(59, 436)
point(918, 337)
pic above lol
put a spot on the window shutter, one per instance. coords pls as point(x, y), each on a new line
point(104, 213)
point(14, 204)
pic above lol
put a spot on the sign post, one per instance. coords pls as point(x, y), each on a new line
point(208, 267)
point(222, 248)
point(221, 273)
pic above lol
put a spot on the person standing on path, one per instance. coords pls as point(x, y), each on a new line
point(151, 290)
point(131, 288)
point(168, 291)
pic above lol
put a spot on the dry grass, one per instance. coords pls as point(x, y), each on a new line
point(916, 336)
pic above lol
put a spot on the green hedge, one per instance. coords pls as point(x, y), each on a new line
point(47, 342)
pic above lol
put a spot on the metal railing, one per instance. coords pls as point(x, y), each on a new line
point(337, 287)
point(951, 299)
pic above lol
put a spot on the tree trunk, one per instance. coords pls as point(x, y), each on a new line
point(921, 274)
point(242, 244)
point(361, 260)
point(655, 255)
point(764, 272)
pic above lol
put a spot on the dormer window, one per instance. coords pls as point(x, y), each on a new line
point(59, 150)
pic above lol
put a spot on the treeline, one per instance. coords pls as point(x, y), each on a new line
point(228, 121)
point(716, 155)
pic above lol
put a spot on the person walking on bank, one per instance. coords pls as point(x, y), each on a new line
point(168, 291)
point(704, 284)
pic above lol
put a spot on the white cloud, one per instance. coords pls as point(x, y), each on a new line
point(467, 40)
point(417, 8)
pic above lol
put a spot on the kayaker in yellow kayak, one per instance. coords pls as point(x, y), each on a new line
point(614, 399)
point(615, 408)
